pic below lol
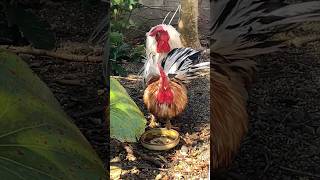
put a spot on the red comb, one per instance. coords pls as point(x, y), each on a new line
point(155, 30)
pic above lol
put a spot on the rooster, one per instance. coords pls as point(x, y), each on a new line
point(166, 95)
point(160, 40)
point(163, 38)
point(241, 30)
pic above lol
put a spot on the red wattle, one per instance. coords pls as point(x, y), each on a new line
point(165, 94)
point(163, 47)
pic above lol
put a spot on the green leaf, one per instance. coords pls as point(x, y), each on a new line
point(117, 1)
point(136, 54)
point(116, 38)
point(127, 122)
point(123, 50)
point(37, 139)
point(37, 32)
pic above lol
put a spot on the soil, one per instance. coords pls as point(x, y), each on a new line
point(284, 128)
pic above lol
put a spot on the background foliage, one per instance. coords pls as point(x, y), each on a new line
point(120, 22)
point(20, 26)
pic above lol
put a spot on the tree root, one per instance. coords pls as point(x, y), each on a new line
point(54, 54)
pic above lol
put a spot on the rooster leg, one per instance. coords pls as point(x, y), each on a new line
point(169, 126)
point(153, 123)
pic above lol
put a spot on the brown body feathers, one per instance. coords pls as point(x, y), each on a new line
point(229, 118)
point(164, 111)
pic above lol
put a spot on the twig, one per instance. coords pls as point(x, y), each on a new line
point(300, 172)
point(266, 168)
point(161, 8)
point(129, 151)
point(59, 55)
point(152, 168)
point(130, 77)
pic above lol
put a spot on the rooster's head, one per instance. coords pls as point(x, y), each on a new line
point(162, 38)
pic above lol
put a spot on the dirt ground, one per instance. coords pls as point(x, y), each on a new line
point(284, 128)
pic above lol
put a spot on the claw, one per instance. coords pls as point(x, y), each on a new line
point(153, 123)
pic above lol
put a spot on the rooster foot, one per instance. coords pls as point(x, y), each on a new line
point(169, 126)
point(153, 123)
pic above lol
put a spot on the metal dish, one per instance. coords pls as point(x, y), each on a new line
point(160, 139)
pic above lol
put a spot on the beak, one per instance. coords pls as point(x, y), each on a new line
point(152, 33)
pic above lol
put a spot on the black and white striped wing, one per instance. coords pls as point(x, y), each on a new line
point(241, 29)
point(182, 63)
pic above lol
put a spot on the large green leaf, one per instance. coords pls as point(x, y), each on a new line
point(127, 122)
point(37, 139)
